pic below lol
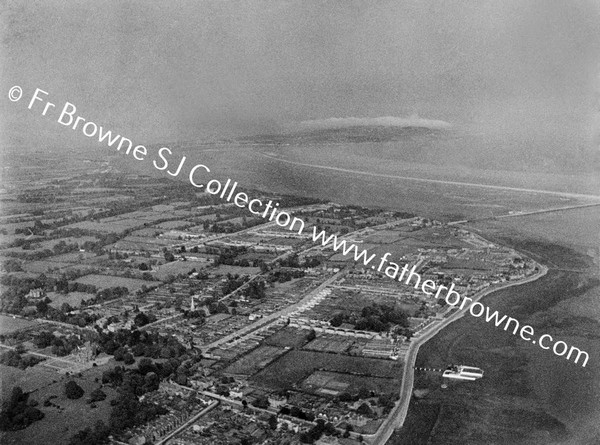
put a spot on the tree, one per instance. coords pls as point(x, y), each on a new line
point(273, 422)
point(261, 402)
point(141, 319)
point(42, 306)
point(97, 395)
point(16, 413)
point(128, 359)
point(120, 354)
point(364, 410)
point(73, 390)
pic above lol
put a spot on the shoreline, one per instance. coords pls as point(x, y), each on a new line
point(397, 416)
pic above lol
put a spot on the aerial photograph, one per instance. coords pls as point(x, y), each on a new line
point(285, 222)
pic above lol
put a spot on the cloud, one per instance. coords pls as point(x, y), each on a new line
point(385, 121)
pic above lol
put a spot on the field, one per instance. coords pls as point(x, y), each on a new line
point(334, 383)
point(74, 257)
point(105, 227)
point(255, 360)
point(29, 379)
point(72, 298)
point(384, 237)
point(331, 343)
point(9, 324)
point(106, 281)
point(59, 424)
point(168, 225)
point(290, 337)
point(44, 266)
point(296, 366)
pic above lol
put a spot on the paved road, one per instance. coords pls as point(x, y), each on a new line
point(396, 418)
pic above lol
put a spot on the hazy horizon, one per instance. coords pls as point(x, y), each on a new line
point(511, 76)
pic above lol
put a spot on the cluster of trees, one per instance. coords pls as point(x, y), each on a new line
point(228, 255)
point(63, 314)
point(255, 290)
point(64, 286)
point(294, 411)
point(290, 261)
point(61, 346)
point(312, 262)
point(386, 401)
point(11, 265)
point(18, 360)
point(123, 355)
point(127, 411)
point(62, 247)
point(232, 283)
point(109, 293)
point(315, 433)
point(27, 245)
point(142, 319)
point(376, 318)
point(18, 412)
point(73, 390)
point(13, 298)
point(96, 436)
point(218, 307)
point(283, 275)
point(141, 343)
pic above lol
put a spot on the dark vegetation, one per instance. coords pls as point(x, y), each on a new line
point(18, 360)
point(376, 318)
point(18, 411)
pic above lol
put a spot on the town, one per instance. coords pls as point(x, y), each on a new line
point(142, 310)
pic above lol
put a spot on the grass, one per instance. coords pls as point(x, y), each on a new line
point(418, 424)
point(9, 324)
point(59, 424)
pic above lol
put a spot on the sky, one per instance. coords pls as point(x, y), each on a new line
point(185, 70)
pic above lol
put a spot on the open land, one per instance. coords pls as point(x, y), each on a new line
point(170, 294)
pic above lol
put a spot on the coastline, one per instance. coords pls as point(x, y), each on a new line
point(398, 415)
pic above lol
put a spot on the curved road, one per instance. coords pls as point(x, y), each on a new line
point(396, 418)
